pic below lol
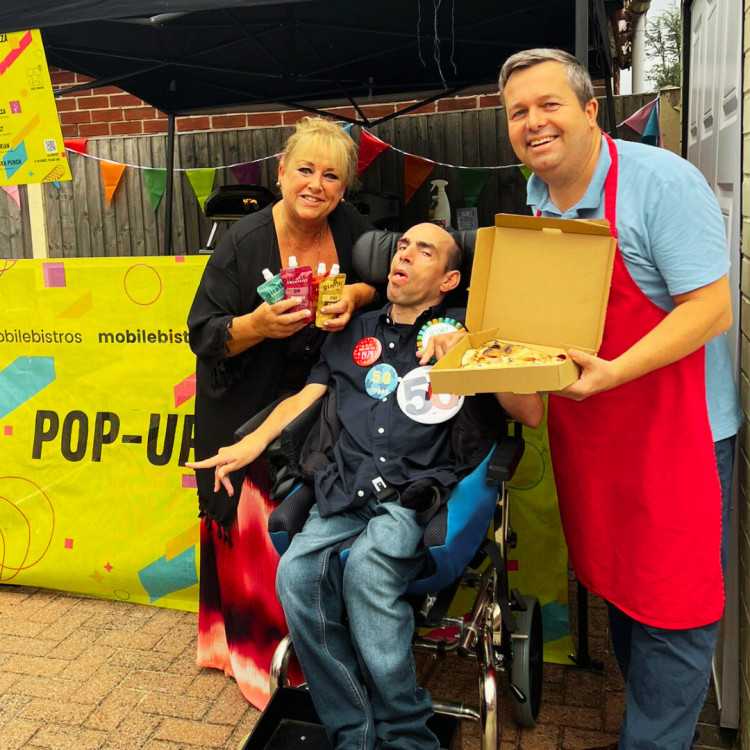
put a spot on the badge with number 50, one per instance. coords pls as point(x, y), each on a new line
point(418, 402)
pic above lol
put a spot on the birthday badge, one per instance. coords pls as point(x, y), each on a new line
point(436, 326)
point(367, 352)
point(381, 380)
point(418, 402)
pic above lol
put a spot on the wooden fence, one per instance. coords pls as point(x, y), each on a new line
point(80, 224)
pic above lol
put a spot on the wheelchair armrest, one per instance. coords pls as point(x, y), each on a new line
point(282, 455)
point(506, 457)
point(256, 420)
point(293, 435)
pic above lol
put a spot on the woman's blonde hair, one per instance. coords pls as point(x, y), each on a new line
point(316, 133)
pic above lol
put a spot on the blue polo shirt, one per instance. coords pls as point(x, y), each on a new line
point(672, 239)
point(379, 443)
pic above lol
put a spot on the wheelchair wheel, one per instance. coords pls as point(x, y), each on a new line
point(527, 666)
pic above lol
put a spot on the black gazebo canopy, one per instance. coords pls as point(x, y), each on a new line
point(183, 56)
point(188, 56)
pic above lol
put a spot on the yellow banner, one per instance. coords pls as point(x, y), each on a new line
point(97, 386)
point(31, 143)
point(539, 564)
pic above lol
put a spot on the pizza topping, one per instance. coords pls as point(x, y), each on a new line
point(496, 353)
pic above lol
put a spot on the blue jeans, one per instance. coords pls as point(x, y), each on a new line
point(360, 673)
point(666, 672)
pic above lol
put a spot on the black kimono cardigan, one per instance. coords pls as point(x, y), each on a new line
point(230, 390)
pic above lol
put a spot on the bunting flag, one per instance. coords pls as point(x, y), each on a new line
point(525, 171)
point(646, 123)
point(472, 181)
point(369, 148)
point(111, 174)
point(156, 184)
point(347, 128)
point(12, 191)
point(247, 174)
point(76, 144)
point(652, 132)
point(416, 170)
point(202, 181)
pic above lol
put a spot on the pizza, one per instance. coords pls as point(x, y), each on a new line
point(496, 353)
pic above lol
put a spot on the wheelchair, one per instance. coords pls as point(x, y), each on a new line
point(467, 541)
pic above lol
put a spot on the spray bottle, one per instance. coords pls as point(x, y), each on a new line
point(440, 208)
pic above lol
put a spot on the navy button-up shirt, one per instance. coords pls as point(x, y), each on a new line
point(379, 444)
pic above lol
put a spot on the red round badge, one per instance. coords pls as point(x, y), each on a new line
point(367, 352)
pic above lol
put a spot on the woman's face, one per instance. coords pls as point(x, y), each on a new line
point(311, 183)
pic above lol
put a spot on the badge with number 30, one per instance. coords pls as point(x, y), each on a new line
point(418, 402)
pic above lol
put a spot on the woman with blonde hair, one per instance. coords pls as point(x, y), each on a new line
point(250, 353)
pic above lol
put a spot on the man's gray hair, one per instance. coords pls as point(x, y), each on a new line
point(578, 77)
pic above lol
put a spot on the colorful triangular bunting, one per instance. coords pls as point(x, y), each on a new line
point(111, 175)
point(472, 181)
point(525, 171)
point(369, 148)
point(202, 181)
point(416, 170)
point(12, 192)
point(76, 144)
point(247, 174)
point(156, 184)
point(652, 132)
point(645, 122)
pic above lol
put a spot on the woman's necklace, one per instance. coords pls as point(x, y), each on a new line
point(316, 247)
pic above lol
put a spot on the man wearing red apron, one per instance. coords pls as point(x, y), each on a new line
point(642, 444)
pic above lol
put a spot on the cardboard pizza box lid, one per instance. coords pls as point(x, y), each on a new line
point(535, 281)
point(543, 281)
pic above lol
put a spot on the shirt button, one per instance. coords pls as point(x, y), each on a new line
point(381, 430)
point(385, 399)
point(307, 348)
point(382, 459)
point(360, 493)
point(312, 325)
point(391, 345)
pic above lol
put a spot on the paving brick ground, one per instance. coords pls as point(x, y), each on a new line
point(90, 674)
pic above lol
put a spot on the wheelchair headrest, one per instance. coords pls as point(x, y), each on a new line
point(373, 251)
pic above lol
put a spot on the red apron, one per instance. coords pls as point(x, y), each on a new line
point(635, 468)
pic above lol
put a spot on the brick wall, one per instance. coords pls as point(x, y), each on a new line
point(109, 111)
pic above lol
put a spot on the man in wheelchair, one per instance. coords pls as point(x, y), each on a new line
point(393, 461)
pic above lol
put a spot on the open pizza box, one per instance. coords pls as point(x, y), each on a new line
point(539, 282)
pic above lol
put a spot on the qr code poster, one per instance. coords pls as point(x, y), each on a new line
point(31, 143)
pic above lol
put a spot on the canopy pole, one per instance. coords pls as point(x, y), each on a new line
point(170, 173)
point(601, 45)
point(582, 32)
point(170, 185)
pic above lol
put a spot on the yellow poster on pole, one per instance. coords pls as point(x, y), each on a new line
point(97, 386)
point(31, 142)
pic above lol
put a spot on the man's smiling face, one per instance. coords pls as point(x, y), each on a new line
point(549, 130)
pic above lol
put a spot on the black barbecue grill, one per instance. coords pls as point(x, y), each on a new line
point(232, 202)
